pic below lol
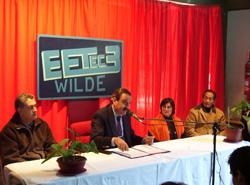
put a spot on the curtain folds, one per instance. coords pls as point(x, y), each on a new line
point(170, 50)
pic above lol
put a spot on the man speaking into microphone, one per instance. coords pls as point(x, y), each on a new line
point(111, 125)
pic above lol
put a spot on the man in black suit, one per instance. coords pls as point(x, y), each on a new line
point(111, 125)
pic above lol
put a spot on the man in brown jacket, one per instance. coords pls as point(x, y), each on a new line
point(25, 137)
point(201, 118)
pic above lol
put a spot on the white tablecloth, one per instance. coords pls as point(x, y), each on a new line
point(189, 161)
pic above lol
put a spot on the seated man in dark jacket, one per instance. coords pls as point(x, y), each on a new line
point(25, 137)
point(111, 125)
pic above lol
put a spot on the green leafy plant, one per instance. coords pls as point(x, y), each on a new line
point(241, 110)
point(67, 148)
point(236, 117)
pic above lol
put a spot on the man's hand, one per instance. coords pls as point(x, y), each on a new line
point(149, 140)
point(121, 144)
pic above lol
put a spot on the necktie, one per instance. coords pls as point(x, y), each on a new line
point(118, 126)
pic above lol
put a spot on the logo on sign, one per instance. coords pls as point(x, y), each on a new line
point(70, 68)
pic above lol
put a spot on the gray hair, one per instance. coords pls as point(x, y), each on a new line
point(21, 99)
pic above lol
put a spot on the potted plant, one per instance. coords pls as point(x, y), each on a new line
point(236, 115)
point(70, 161)
point(241, 110)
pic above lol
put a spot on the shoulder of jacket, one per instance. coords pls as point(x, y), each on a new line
point(176, 118)
point(105, 109)
point(219, 110)
point(9, 128)
point(39, 121)
point(159, 116)
point(198, 107)
point(194, 110)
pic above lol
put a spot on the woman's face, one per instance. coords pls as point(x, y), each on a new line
point(167, 110)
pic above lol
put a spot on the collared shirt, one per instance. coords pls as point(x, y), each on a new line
point(116, 115)
point(116, 122)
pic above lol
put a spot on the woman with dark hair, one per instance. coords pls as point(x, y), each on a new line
point(166, 125)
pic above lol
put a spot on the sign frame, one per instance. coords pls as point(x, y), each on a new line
point(106, 76)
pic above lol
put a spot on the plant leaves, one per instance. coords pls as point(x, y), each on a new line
point(240, 108)
point(73, 132)
point(53, 154)
point(246, 118)
point(73, 148)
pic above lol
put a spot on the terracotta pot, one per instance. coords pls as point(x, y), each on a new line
point(71, 165)
point(234, 133)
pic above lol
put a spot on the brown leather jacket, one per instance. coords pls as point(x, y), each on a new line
point(21, 143)
point(204, 121)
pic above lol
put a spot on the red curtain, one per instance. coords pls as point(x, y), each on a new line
point(170, 50)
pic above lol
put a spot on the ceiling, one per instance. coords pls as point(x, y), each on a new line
point(237, 4)
point(227, 4)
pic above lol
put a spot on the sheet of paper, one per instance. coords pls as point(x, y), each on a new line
point(131, 153)
point(149, 149)
point(139, 151)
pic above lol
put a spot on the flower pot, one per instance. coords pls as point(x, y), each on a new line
point(233, 133)
point(71, 165)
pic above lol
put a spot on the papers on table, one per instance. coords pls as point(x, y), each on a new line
point(139, 151)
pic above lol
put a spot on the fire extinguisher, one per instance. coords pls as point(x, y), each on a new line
point(247, 79)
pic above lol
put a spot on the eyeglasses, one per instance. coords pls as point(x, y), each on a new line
point(31, 107)
point(125, 102)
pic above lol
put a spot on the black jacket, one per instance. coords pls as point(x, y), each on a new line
point(103, 128)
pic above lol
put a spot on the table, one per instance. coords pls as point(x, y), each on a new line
point(189, 161)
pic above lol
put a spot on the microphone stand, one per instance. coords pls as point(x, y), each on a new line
point(168, 120)
point(215, 129)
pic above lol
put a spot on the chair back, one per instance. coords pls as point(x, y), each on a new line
point(80, 114)
point(83, 131)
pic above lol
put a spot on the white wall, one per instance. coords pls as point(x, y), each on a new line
point(238, 46)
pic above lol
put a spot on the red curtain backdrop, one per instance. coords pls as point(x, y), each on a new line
point(170, 50)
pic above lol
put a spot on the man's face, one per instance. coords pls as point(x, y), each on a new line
point(208, 100)
point(28, 113)
point(121, 105)
point(167, 110)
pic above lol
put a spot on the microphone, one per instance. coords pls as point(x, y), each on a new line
point(140, 119)
point(179, 122)
point(134, 115)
